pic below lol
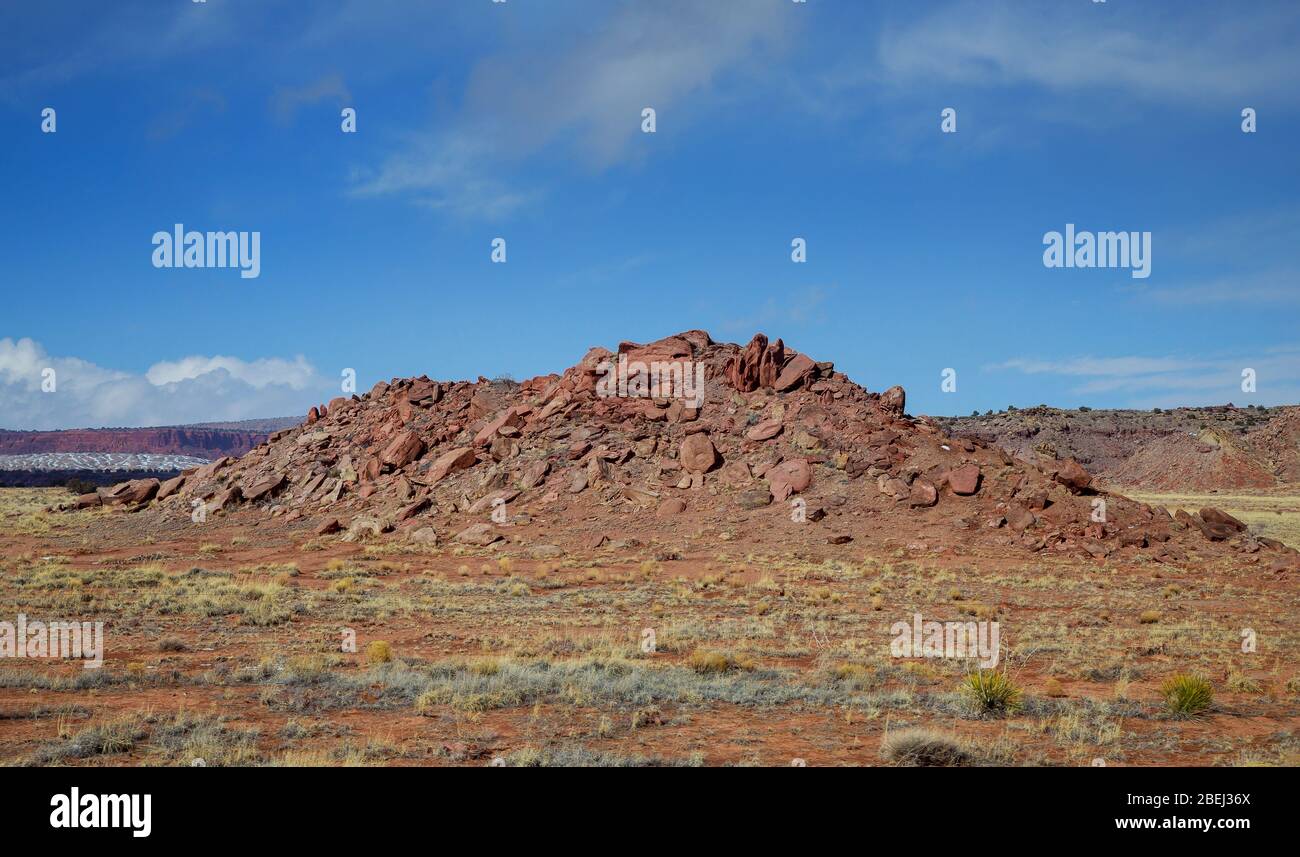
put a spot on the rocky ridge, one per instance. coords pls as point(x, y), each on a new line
point(1178, 449)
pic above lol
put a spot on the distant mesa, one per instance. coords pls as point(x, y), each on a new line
point(102, 456)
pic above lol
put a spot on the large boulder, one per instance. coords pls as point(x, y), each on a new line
point(480, 535)
point(922, 494)
point(265, 487)
point(170, 487)
point(509, 417)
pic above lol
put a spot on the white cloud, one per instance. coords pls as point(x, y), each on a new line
point(296, 374)
point(193, 389)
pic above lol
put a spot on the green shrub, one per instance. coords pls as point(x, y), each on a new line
point(992, 691)
point(1187, 695)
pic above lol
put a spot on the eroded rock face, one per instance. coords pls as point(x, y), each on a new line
point(758, 366)
point(184, 440)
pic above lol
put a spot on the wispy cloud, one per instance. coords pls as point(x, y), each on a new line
point(799, 306)
point(193, 105)
point(584, 96)
point(1173, 380)
point(1274, 287)
point(288, 99)
point(1159, 55)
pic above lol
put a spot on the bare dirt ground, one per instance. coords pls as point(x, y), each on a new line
point(224, 642)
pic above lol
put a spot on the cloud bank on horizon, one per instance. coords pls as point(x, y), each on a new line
point(774, 121)
point(41, 391)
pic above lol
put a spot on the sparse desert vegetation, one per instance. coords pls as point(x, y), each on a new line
point(237, 656)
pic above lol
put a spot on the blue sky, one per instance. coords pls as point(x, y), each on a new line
point(522, 120)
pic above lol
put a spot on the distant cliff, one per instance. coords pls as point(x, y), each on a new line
point(206, 443)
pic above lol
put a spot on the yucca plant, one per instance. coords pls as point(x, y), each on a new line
point(992, 691)
point(1186, 694)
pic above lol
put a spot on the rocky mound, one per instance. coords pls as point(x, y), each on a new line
point(1181, 449)
point(760, 437)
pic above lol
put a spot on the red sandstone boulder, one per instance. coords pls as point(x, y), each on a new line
point(402, 450)
point(766, 430)
point(1213, 516)
point(170, 487)
point(1071, 474)
point(265, 487)
point(894, 401)
point(510, 417)
point(965, 480)
point(789, 477)
point(450, 462)
point(670, 508)
point(798, 371)
point(86, 501)
point(922, 493)
point(697, 454)
point(130, 493)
